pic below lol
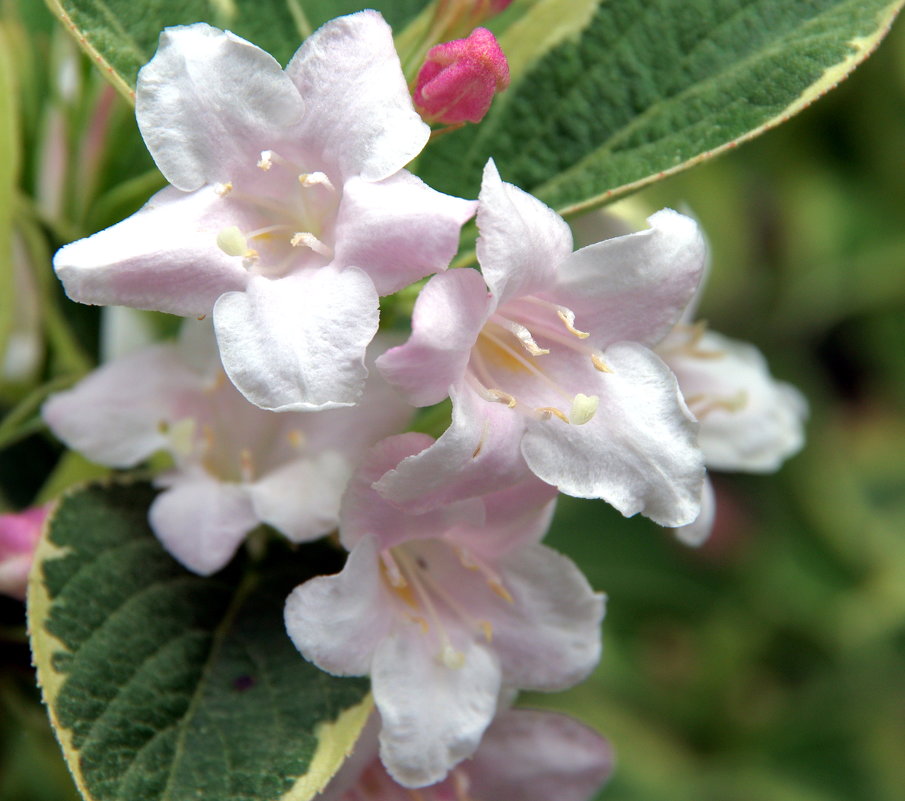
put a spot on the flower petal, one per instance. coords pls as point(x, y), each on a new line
point(522, 240)
point(433, 715)
point(209, 102)
point(398, 230)
point(298, 343)
point(301, 498)
point(478, 453)
point(548, 638)
point(359, 118)
point(338, 621)
point(698, 531)
point(164, 258)
point(113, 416)
point(634, 287)
point(201, 521)
point(365, 512)
point(532, 755)
point(638, 452)
point(447, 318)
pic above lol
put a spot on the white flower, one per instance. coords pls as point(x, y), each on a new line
point(289, 210)
point(235, 465)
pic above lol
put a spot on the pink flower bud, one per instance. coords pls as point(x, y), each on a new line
point(459, 79)
point(19, 535)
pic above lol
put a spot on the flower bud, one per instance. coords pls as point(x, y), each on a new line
point(458, 80)
point(19, 535)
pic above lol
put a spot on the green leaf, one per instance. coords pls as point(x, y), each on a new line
point(651, 87)
point(9, 166)
point(163, 685)
point(120, 36)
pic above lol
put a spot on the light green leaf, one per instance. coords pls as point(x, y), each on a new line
point(120, 36)
point(166, 686)
point(9, 166)
point(651, 87)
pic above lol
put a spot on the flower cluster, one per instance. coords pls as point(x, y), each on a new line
point(290, 212)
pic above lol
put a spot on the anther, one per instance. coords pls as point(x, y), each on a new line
point(600, 364)
point(451, 658)
point(546, 411)
point(224, 189)
point(266, 160)
point(307, 179)
point(568, 318)
point(584, 407)
point(310, 241)
point(498, 396)
point(487, 630)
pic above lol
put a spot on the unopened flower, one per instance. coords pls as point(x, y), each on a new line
point(552, 369)
point(289, 210)
point(235, 465)
point(459, 79)
point(526, 755)
point(19, 535)
point(443, 610)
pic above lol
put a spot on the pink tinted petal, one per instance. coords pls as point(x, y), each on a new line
point(749, 420)
point(114, 415)
point(19, 535)
point(365, 512)
point(201, 521)
point(522, 241)
point(359, 117)
point(338, 621)
point(634, 287)
point(478, 453)
point(398, 230)
point(301, 498)
point(531, 755)
point(209, 102)
point(298, 343)
point(698, 531)
point(433, 716)
point(164, 258)
point(548, 638)
point(14, 572)
point(447, 318)
point(639, 450)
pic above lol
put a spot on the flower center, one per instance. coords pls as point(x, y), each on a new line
point(286, 217)
point(507, 365)
point(419, 575)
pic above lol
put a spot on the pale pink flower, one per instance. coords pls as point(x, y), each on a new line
point(19, 535)
point(750, 422)
point(235, 465)
point(459, 79)
point(289, 210)
point(443, 610)
point(551, 370)
point(526, 755)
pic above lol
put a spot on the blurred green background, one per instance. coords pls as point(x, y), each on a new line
point(768, 664)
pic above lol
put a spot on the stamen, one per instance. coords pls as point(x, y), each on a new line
point(267, 229)
point(584, 407)
point(246, 465)
point(523, 334)
point(568, 318)
point(224, 189)
point(296, 438)
point(702, 405)
point(266, 160)
point(498, 396)
point(600, 364)
point(525, 363)
point(546, 411)
point(487, 630)
point(232, 241)
point(305, 239)
point(308, 179)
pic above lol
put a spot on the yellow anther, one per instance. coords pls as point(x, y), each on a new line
point(487, 630)
point(224, 189)
point(498, 396)
point(451, 658)
point(600, 364)
point(568, 318)
point(308, 179)
point(584, 407)
point(499, 589)
point(421, 622)
point(546, 411)
point(266, 160)
point(304, 239)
